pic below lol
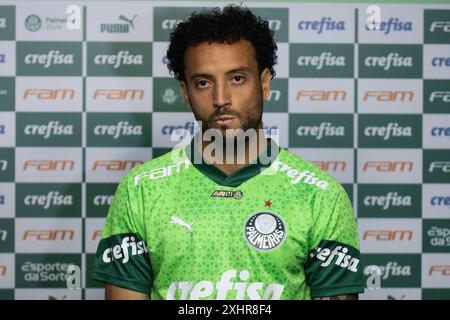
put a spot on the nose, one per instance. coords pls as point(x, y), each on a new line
point(221, 95)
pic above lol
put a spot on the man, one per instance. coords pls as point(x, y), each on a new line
point(225, 217)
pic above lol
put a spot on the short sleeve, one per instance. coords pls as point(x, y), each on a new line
point(122, 257)
point(333, 265)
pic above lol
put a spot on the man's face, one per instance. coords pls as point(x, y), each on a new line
point(223, 87)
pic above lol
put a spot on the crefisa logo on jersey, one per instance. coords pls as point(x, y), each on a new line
point(265, 230)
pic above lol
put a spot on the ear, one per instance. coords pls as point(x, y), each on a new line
point(184, 93)
point(266, 78)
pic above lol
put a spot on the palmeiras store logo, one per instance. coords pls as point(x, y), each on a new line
point(265, 230)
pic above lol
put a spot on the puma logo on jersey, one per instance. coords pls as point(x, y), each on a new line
point(179, 221)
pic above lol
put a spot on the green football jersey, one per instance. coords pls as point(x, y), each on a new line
point(178, 229)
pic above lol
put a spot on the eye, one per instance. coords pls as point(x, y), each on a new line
point(201, 84)
point(238, 79)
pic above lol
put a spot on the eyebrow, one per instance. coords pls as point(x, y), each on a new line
point(208, 76)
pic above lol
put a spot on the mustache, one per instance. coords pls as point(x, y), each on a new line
point(223, 112)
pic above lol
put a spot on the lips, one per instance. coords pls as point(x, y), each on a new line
point(224, 120)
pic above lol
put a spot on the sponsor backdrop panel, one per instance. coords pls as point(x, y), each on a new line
point(85, 95)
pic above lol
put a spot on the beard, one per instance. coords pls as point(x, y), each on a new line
point(234, 138)
point(250, 119)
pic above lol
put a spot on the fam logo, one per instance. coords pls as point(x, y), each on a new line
point(115, 165)
point(3, 235)
point(388, 235)
point(277, 18)
point(443, 96)
point(436, 96)
point(48, 165)
point(442, 270)
point(96, 234)
point(388, 166)
point(49, 235)
point(392, 24)
point(321, 95)
point(436, 166)
point(324, 24)
point(3, 270)
point(3, 164)
point(118, 94)
point(7, 230)
point(123, 27)
point(437, 26)
point(331, 165)
point(388, 96)
point(265, 230)
point(49, 94)
point(274, 95)
point(443, 26)
point(274, 25)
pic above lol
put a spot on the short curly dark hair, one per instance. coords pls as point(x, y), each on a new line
point(230, 25)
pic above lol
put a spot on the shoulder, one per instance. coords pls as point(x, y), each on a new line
point(166, 165)
point(305, 174)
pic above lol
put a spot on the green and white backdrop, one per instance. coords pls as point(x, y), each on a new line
point(85, 95)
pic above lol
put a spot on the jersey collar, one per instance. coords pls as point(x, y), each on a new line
point(236, 178)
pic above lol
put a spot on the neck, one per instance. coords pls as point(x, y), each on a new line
point(236, 154)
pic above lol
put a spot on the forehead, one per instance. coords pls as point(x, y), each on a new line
point(219, 57)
